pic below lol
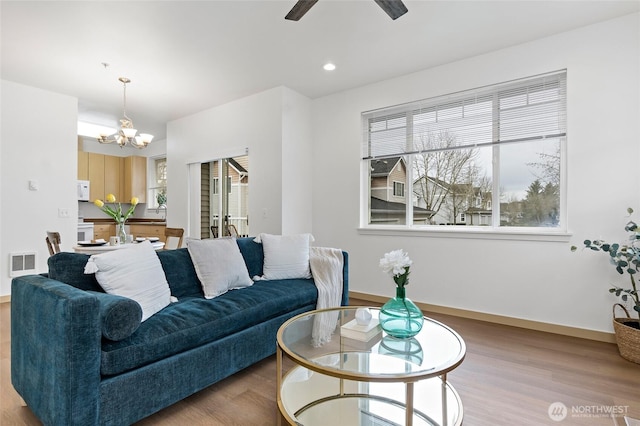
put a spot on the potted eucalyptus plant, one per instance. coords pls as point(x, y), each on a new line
point(625, 258)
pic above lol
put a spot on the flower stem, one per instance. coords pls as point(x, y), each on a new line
point(401, 294)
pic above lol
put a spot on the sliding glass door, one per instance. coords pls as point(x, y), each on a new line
point(224, 197)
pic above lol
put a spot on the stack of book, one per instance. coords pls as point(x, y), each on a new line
point(361, 336)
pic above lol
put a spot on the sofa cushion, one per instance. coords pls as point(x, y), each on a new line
point(181, 275)
point(69, 268)
point(253, 255)
point(219, 265)
point(119, 316)
point(192, 322)
point(286, 256)
point(134, 272)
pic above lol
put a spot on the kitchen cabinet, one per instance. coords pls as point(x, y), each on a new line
point(147, 230)
point(103, 230)
point(113, 179)
point(83, 165)
point(96, 176)
point(135, 178)
point(124, 177)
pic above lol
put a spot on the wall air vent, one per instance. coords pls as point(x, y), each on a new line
point(22, 263)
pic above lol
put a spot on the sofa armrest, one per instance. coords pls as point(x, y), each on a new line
point(55, 350)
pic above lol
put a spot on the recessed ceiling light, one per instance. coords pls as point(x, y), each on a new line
point(329, 66)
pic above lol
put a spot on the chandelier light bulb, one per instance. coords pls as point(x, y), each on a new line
point(129, 133)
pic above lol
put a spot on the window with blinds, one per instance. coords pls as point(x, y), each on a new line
point(490, 156)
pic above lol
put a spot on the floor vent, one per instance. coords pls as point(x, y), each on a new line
point(22, 263)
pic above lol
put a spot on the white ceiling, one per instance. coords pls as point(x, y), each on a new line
point(187, 56)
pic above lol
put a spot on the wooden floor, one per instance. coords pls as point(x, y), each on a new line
point(510, 377)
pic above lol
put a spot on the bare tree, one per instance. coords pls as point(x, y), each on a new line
point(548, 167)
point(541, 205)
point(446, 175)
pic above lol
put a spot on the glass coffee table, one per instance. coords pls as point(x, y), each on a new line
point(380, 382)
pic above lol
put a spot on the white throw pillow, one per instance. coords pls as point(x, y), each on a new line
point(219, 265)
point(285, 256)
point(134, 272)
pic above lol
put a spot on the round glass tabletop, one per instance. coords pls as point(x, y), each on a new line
point(374, 356)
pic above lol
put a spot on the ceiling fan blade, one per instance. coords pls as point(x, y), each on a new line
point(299, 9)
point(394, 8)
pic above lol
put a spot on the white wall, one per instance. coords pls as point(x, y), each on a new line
point(275, 128)
point(297, 163)
point(255, 123)
point(540, 281)
point(37, 142)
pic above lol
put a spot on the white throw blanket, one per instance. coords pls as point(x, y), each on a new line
point(326, 269)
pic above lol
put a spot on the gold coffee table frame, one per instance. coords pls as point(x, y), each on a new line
point(435, 351)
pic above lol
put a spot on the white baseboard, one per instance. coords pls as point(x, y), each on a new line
point(500, 319)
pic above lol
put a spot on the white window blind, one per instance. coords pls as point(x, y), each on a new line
point(517, 111)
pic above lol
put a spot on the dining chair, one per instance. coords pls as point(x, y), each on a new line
point(53, 242)
point(232, 231)
point(214, 231)
point(173, 232)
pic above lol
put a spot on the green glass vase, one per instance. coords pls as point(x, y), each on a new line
point(400, 317)
point(122, 234)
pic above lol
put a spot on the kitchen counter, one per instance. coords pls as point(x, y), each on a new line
point(137, 221)
point(138, 227)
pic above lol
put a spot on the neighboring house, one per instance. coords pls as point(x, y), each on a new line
point(511, 213)
point(479, 211)
point(453, 204)
point(388, 177)
point(238, 184)
point(388, 198)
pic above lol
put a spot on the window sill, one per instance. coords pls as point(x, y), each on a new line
point(470, 232)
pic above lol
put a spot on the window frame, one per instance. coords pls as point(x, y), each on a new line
point(494, 231)
point(401, 186)
point(152, 176)
point(215, 185)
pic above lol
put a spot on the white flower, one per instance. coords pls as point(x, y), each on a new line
point(395, 263)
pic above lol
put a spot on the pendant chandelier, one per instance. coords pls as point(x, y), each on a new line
point(126, 134)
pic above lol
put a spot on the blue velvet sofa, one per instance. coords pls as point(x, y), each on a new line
point(69, 373)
